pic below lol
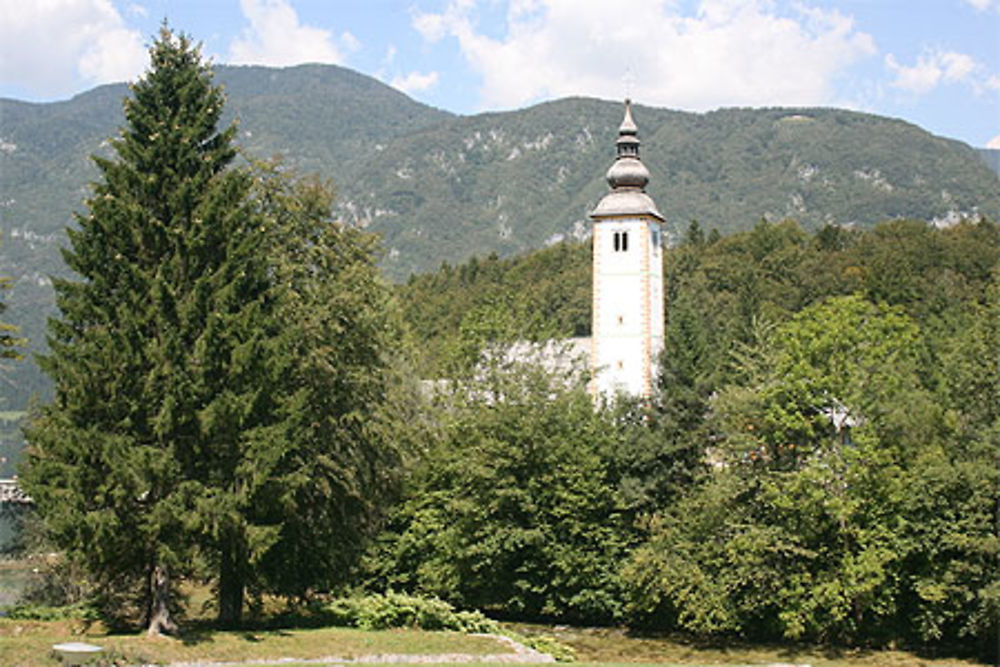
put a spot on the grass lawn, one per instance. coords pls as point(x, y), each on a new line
point(29, 643)
point(612, 647)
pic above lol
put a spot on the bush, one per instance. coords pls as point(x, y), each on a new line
point(549, 645)
point(398, 610)
point(38, 612)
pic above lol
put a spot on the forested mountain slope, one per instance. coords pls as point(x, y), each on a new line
point(512, 181)
point(990, 156)
point(443, 187)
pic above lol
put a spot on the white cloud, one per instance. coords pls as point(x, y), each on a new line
point(729, 52)
point(994, 142)
point(984, 5)
point(940, 67)
point(415, 82)
point(349, 41)
point(957, 66)
point(275, 37)
point(919, 78)
point(53, 48)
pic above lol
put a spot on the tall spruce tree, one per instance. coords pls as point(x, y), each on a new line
point(139, 351)
point(224, 391)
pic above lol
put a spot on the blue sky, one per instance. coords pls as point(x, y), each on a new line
point(935, 63)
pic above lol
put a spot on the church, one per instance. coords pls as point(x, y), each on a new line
point(627, 325)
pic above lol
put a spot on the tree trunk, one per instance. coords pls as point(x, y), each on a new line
point(160, 620)
point(231, 585)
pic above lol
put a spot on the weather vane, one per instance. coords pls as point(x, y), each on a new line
point(628, 79)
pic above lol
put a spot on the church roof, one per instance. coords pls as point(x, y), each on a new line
point(627, 177)
point(626, 203)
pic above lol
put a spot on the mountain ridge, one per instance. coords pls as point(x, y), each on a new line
point(438, 186)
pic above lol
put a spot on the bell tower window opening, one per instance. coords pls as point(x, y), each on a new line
point(621, 241)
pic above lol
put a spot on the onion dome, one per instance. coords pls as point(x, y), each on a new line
point(627, 176)
point(628, 171)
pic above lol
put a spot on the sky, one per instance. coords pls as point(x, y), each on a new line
point(935, 63)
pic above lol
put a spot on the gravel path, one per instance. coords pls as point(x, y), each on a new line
point(520, 654)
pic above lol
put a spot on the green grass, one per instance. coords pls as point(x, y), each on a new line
point(24, 643)
point(609, 647)
point(29, 643)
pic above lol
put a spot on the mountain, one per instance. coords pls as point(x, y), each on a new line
point(990, 156)
point(442, 187)
point(511, 181)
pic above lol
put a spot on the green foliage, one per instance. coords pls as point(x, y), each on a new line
point(834, 511)
point(9, 344)
point(794, 528)
point(513, 511)
point(223, 378)
point(455, 311)
point(10, 348)
point(398, 610)
point(548, 645)
point(345, 404)
point(138, 353)
point(36, 612)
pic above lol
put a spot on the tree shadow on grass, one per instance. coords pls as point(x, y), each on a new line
point(195, 635)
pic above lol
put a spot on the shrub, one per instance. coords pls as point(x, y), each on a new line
point(39, 612)
point(398, 610)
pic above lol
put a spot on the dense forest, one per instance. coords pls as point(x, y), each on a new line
point(819, 461)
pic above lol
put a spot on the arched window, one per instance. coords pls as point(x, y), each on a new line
point(624, 241)
point(618, 241)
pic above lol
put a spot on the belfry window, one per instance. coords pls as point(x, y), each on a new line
point(621, 241)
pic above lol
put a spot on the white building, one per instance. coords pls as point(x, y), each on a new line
point(627, 329)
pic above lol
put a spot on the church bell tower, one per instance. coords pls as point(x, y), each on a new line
point(627, 326)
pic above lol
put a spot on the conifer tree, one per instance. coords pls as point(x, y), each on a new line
point(224, 392)
point(137, 353)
